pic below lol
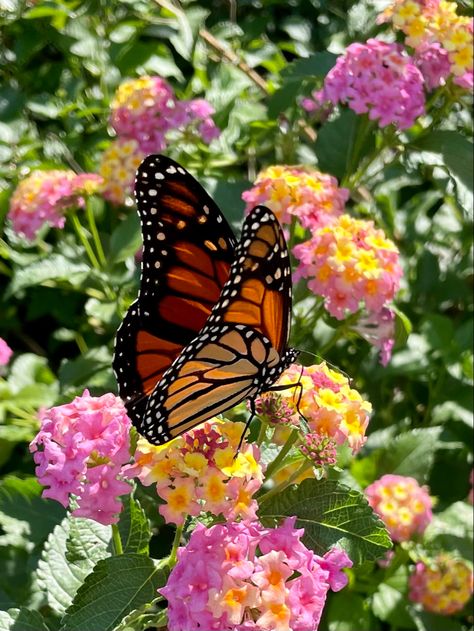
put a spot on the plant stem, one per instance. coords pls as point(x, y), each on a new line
point(83, 239)
point(174, 550)
point(262, 432)
point(95, 234)
point(117, 541)
point(275, 465)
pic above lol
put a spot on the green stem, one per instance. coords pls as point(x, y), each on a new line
point(176, 541)
point(262, 432)
point(276, 464)
point(283, 485)
point(117, 541)
point(95, 234)
point(83, 239)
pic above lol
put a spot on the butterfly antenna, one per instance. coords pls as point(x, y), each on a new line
point(330, 364)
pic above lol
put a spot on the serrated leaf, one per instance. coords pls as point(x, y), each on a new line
point(126, 239)
point(23, 510)
point(56, 267)
point(330, 514)
point(143, 619)
point(134, 527)
point(412, 453)
point(69, 555)
point(22, 620)
point(117, 586)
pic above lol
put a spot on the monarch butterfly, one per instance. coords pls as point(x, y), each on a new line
point(210, 326)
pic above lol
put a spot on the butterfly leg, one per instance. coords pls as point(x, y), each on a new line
point(253, 414)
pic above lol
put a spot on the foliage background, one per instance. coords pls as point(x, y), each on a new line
point(60, 65)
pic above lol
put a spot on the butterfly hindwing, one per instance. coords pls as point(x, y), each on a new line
point(188, 248)
point(242, 349)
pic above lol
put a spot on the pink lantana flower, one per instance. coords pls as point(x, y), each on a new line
point(438, 34)
point(352, 264)
point(80, 452)
point(118, 168)
point(403, 505)
point(146, 110)
point(311, 196)
point(379, 79)
point(443, 586)
point(44, 197)
point(331, 407)
point(241, 576)
point(202, 471)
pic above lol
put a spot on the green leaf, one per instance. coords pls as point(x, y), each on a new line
point(228, 196)
point(134, 527)
point(389, 600)
point(431, 622)
point(79, 371)
point(28, 369)
point(317, 65)
point(117, 586)
point(343, 142)
point(347, 611)
point(23, 512)
point(412, 453)
point(294, 75)
point(188, 26)
point(284, 97)
point(126, 239)
point(453, 152)
point(330, 513)
point(69, 555)
point(452, 530)
point(403, 327)
point(55, 267)
point(22, 620)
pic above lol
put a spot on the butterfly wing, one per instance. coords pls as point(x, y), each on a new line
point(242, 349)
point(188, 248)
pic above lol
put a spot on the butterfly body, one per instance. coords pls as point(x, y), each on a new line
point(175, 378)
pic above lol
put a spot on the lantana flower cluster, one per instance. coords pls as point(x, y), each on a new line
point(146, 109)
point(350, 262)
point(241, 576)
point(442, 39)
point(379, 79)
point(5, 352)
point(144, 113)
point(311, 196)
point(443, 586)
point(403, 505)
point(200, 471)
point(330, 406)
point(118, 167)
point(44, 196)
point(80, 452)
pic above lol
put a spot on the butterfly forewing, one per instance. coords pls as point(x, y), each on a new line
point(242, 349)
point(188, 248)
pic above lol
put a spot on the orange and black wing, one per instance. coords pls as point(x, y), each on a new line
point(243, 347)
point(188, 248)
